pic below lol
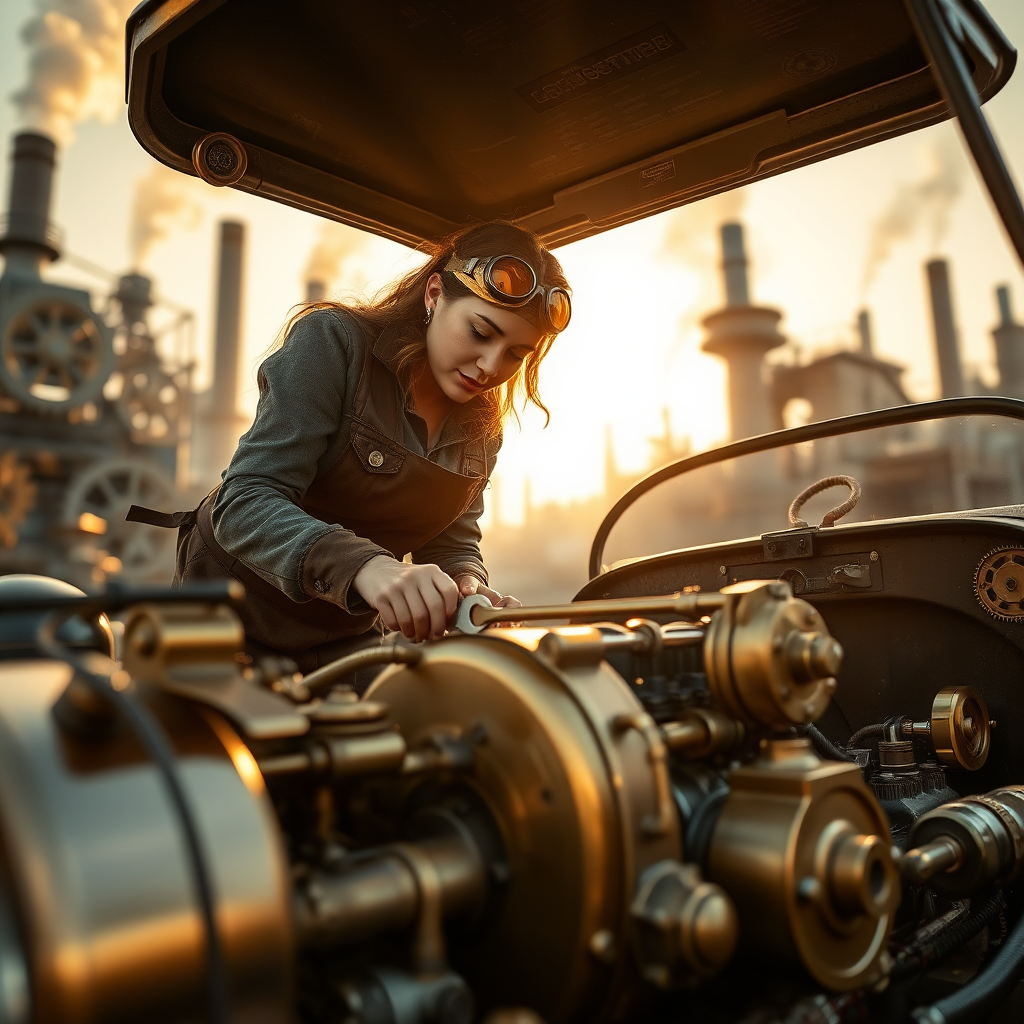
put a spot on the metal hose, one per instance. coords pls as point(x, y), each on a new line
point(825, 747)
point(975, 1002)
point(920, 955)
point(863, 734)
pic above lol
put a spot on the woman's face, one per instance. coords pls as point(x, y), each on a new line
point(473, 345)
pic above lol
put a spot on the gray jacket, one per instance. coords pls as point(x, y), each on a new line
point(299, 431)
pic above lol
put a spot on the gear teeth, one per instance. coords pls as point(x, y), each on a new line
point(1005, 611)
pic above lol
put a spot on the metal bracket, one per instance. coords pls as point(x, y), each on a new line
point(780, 547)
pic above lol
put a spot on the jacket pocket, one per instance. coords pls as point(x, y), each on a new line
point(375, 452)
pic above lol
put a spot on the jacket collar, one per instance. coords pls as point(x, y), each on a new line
point(385, 350)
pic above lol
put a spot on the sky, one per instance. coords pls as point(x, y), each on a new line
point(823, 241)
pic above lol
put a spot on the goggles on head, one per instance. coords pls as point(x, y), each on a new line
point(511, 281)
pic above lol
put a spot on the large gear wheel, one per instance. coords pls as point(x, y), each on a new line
point(17, 496)
point(999, 583)
point(107, 490)
point(55, 354)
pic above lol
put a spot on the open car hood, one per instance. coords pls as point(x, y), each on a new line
point(409, 119)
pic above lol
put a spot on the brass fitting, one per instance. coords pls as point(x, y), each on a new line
point(189, 650)
point(959, 729)
point(964, 847)
point(698, 733)
point(769, 657)
point(803, 849)
point(683, 927)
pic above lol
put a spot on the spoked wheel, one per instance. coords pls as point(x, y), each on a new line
point(106, 491)
point(56, 354)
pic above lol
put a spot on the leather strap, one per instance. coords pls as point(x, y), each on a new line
point(165, 520)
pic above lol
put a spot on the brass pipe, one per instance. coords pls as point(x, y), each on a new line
point(918, 866)
point(396, 653)
point(381, 894)
point(685, 606)
point(341, 757)
point(702, 732)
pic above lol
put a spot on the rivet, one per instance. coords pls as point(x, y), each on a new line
point(874, 556)
point(375, 459)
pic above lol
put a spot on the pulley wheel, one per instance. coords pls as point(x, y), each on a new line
point(55, 354)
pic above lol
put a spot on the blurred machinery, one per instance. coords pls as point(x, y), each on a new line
point(92, 416)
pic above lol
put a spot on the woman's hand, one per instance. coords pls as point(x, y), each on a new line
point(418, 600)
point(471, 585)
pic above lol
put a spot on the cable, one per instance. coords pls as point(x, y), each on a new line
point(975, 1002)
point(863, 734)
point(921, 954)
point(155, 742)
point(826, 748)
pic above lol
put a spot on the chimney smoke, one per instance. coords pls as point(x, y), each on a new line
point(75, 64)
point(163, 200)
point(947, 349)
point(734, 266)
point(923, 206)
point(224, 391)
point(864, 331)
point(330, 256)
point(29, 239)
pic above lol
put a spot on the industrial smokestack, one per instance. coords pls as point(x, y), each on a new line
point(219, 424)
point(1009, 341)
point(734, 266)
point(742, 335)
point(224, 392)
point(864, 330)
point(134, 295)
point(29, 239)
point(947, 350)
point(315, 291)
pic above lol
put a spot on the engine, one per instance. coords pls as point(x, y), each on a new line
point(630, 817)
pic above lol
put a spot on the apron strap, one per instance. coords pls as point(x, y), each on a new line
point(165, 520)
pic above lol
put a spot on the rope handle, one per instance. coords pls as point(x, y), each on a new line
point(834, 515)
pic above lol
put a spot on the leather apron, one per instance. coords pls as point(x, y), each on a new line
point(378, 489)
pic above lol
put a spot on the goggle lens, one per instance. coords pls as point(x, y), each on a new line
point(512, 277)
point(559, 308)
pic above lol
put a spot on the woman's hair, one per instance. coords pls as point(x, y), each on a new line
point(401, 304)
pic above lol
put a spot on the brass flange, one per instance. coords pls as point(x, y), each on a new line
point(961, 731)
point(769, 657)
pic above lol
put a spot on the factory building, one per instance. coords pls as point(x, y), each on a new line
point(94, 416)
point(906, 470)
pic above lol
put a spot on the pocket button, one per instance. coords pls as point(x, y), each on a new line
point(375, 459)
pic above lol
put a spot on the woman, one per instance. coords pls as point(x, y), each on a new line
point(377, 428)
